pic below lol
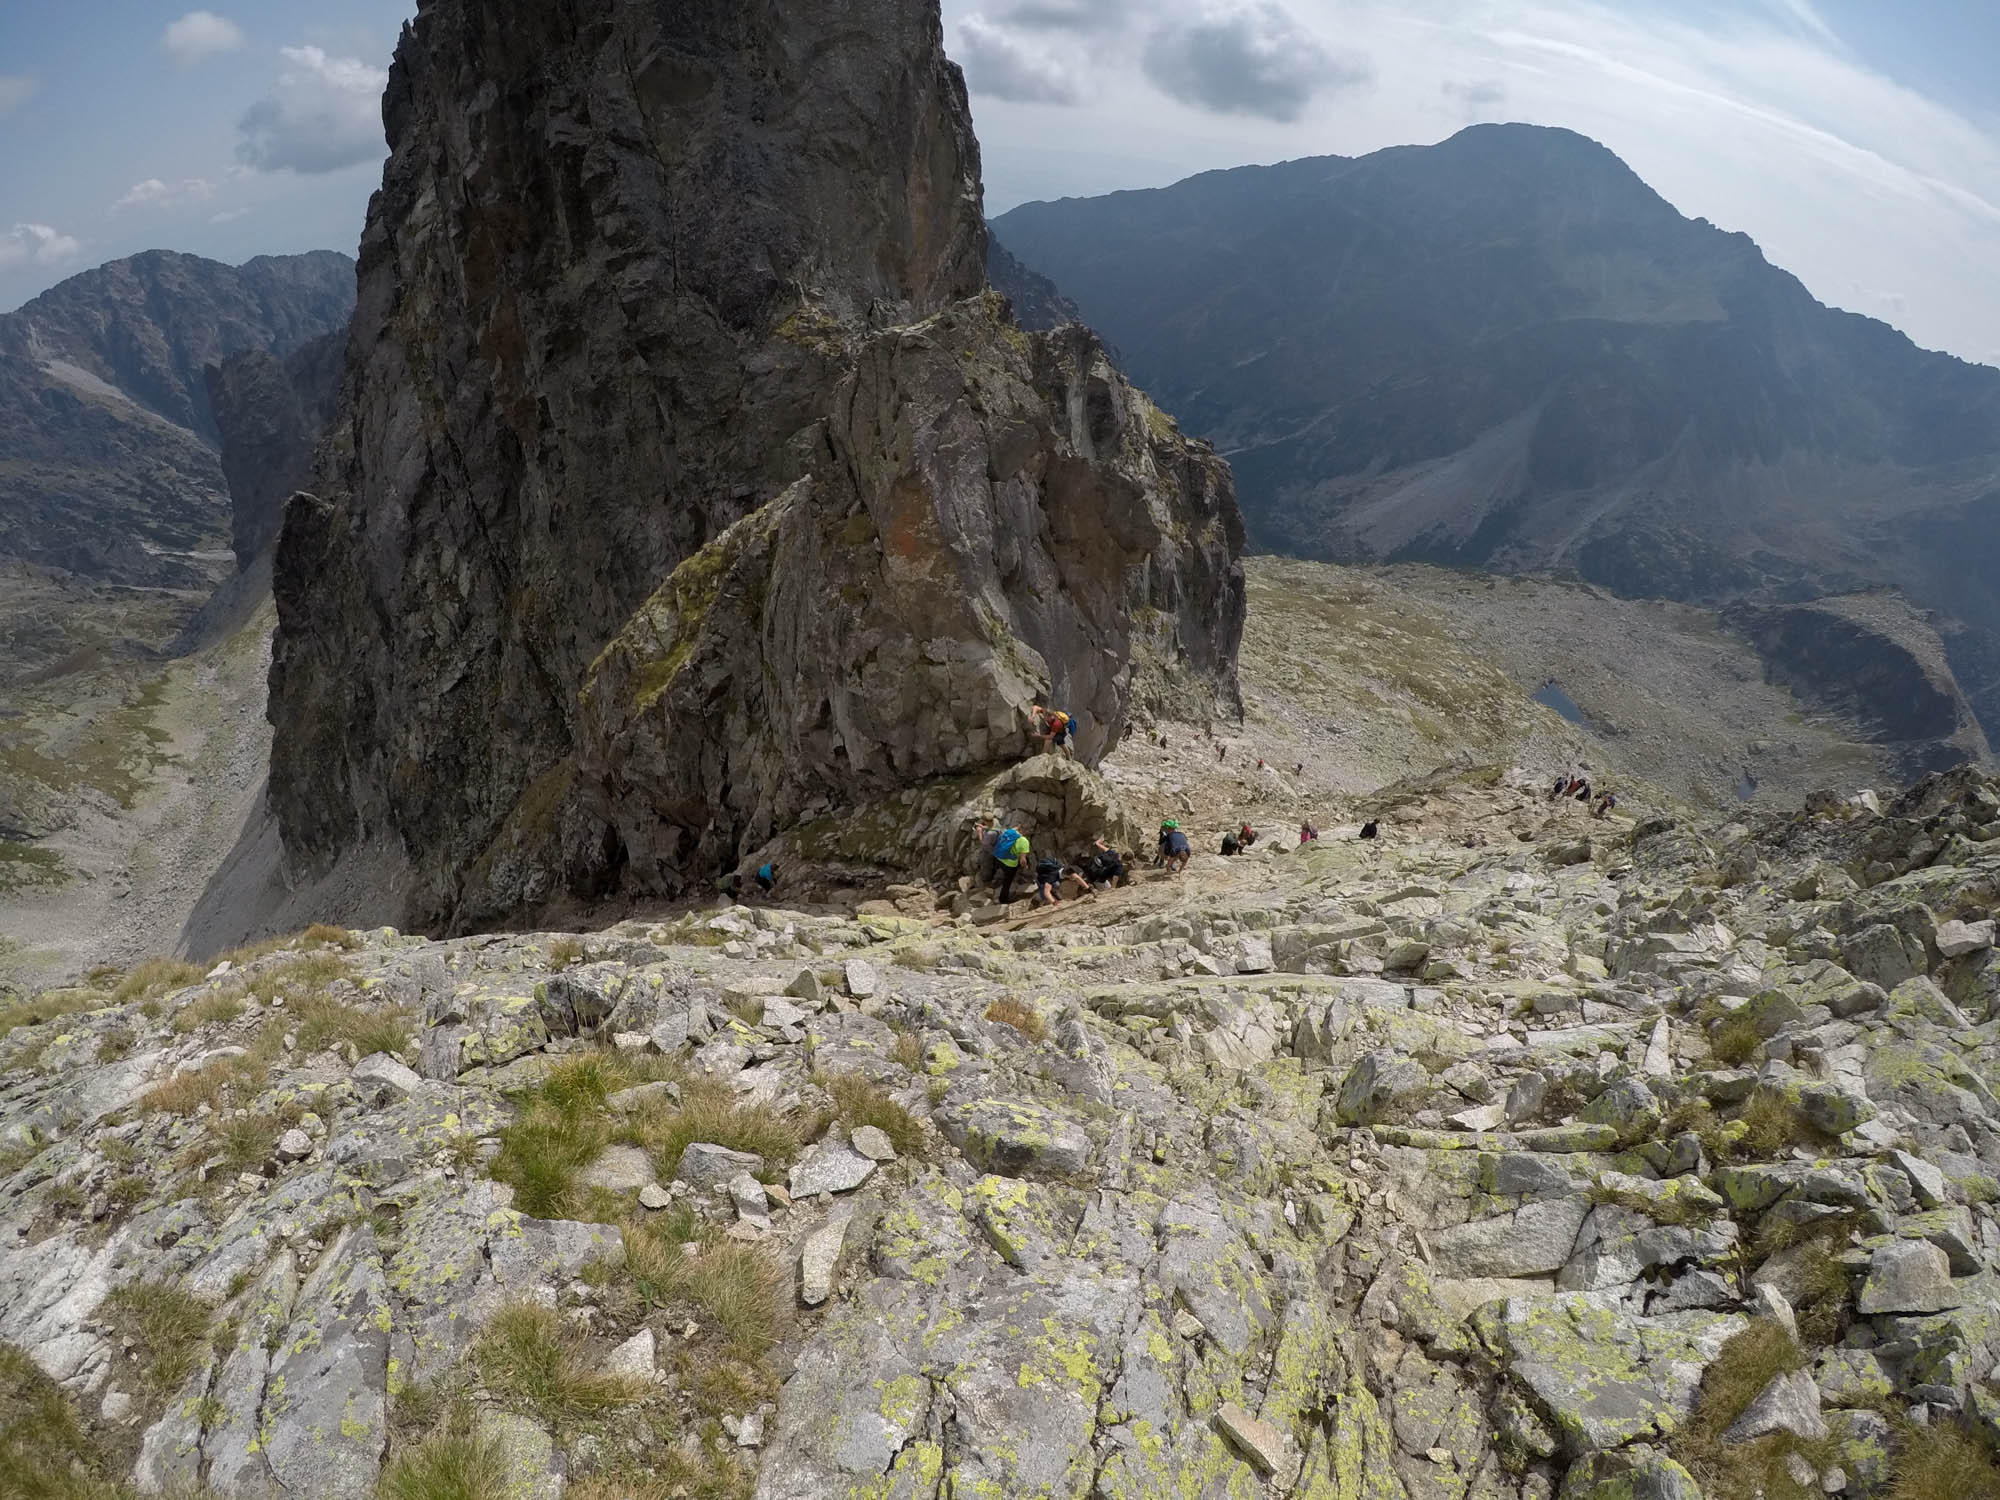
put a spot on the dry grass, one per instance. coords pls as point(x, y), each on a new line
point(156, 977)
point(45, 1449)
point(1012, 1011)
point(1748, 1363)
point(186, 1092)
point(1944, 1463)
point(530, 1354)
point(47, 1007)
point(1772, 1126)
point(222, 1006)
point(857, 1102)
point(168, 1327)
point(908, 1051)
point(735, 1290)
point(452, 1464)
point(323, 935)
point(566, 952)
point(1735, 1039)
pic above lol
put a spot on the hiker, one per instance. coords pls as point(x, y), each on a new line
point(1221, 754)
point(988, 833)
point(1010, 849)
point(1175, 851)
point(1246, 835)
point(1308, 831)
point(1604, 806)
point(1231, 846)
point(1260, 762)
point(1581, 790)
point(1048, 876)
point(1370, 829)
point(1051, 728)
point(1102, 867)
point(1299, 769)
point(767, 878)
point(1561, 788)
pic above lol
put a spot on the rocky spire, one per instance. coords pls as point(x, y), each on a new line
point(634, 273)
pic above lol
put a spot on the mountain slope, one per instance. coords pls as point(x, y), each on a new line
point(1506, 351)
point(108, 440)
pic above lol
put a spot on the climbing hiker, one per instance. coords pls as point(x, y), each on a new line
point(1299, 769)
point(1604, 806)
point(1231, 846)
point(1246, 835)
point(1052, 728)
point(1102, 867)
point(767, 878)
point(1010, 849)
point(1175, 850)
point(1370, 829)
point(1048, 877)
point(1308, 831)
point(1561, 788)
point(1581, 790)
point(1221, 754)
point(988, 833)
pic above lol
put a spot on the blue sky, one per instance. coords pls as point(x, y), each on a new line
point(1857, 140)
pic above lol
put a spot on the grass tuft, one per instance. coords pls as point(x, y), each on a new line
point(168, 1327)
point(451, 1463)
point(45, 1450)
point(527, 1352)
point(325, 935)
point(857, 1102)
point(1735, 1039)
point(154, 978)
point(1747, 1363)
point(47, 1006)
point(737, 1290)
point(1017, 1013)
point(222, 1006)
point(1943, 1463)
point(566, 952)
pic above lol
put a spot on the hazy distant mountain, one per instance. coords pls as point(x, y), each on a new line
point(108, 442)
point(1507, 351)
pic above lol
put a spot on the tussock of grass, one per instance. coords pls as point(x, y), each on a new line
point(1735, 1039)
point(908, 1051)
point(734, 1289)
point(45, 1450)
point(47, 1007)
point(156, 977)
point(1748, 1363)
point(1023, 1017)
point(1772, 1127)
point(186, 1092)
point(452, 1463)
point(565, 952)
point(167, 1326)
point(857, 1102)
point(529, 1353)
point(321, 1023)
point(222, 1006)
point(1944, 1463)
point(710, 1111)
point(325, 935)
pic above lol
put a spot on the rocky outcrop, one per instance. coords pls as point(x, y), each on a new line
point(107, 434)
point(652, 310)
point(1038, 302)
point(1872, 659)
point(270, 412)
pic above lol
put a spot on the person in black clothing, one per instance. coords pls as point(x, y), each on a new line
point(1102, 867)
point(1230, 846)
point(1370, 829)
point(1048, 876)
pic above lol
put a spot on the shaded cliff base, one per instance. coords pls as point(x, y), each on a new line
point(1366, 677)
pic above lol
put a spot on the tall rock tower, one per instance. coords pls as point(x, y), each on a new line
point(687, 482)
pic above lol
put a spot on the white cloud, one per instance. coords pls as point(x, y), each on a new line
point(199, 35)
point(37, 245)
point(1247, 59)
point(16, 89)
point(154, 192)
point(231, 215)
point(1007, 67)
point(323, 113)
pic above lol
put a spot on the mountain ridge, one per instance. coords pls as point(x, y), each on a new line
point(1506, 351)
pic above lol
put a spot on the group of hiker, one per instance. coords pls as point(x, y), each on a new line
point(1006, 854)
point(1574, 786)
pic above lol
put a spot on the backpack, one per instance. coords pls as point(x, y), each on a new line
point(1058, 720)
point(1004, 845)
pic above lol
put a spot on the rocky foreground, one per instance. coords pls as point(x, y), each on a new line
point(1659, 1163)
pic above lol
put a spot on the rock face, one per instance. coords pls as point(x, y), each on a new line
point(107, 433)
point(270, 412)
point(624, 437)
point(1530, 361)
point(1038, 302)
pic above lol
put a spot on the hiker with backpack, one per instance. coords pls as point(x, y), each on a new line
point(1102, 867)
point(1011, 849)
point(1052, 728)
point(1049, 874)
point(1175, 851)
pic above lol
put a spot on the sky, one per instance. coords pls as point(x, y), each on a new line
point(1858, 141)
